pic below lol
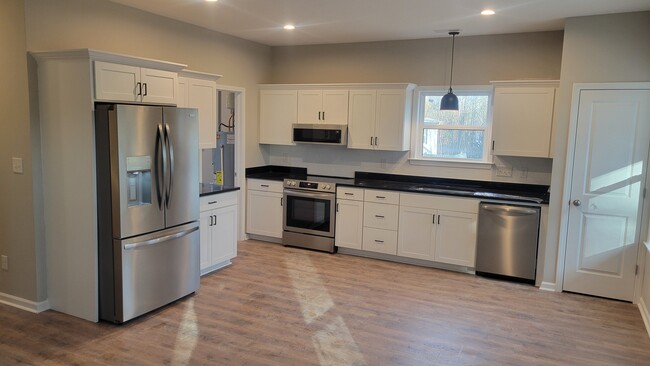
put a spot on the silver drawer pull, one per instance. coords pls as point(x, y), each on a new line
point(379, 241)
point(379, 216)
point(212, 202)
point(264, 185)
point(349, 194)
point(382, 197)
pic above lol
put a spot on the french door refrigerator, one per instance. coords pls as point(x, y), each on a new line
point(148, 207)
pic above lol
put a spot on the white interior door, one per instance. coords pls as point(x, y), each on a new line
point(608, 179)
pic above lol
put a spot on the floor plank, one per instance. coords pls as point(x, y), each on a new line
point(288, 306)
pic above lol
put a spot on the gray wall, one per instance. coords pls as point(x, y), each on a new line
point(478, 60)
point(17, 240)
point(605, 48)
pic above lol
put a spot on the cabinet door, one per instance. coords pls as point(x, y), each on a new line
point(310, 106)
point(206, 225)
point(115, 82)
point(202, 95)
point(522, 121)
point(417, 233)
point(335, 107)
point(349, 224)
point(380, 216)
point(158, 86)
point(390, 130)
point(224, 235)
point(361, 119)
point(278, 112)
point(264, 214)
point(456, 238)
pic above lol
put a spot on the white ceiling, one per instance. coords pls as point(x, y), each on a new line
point(346, 21)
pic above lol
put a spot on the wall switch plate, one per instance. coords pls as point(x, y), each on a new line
point(17, 165)
point(504, 171)
point(5, 263)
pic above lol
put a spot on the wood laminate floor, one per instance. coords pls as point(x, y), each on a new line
point(286, 306)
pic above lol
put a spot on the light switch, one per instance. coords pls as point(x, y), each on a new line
point(17, 164)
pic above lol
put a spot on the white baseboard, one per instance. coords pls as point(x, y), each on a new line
point(645, 315)
point(547, 286)
point(24, 304)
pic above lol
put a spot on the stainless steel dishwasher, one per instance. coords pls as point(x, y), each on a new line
point(507, 241)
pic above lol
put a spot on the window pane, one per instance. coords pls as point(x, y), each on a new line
point(462, 144)
point(472, 111)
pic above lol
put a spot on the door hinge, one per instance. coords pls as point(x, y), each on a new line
point(636, 270)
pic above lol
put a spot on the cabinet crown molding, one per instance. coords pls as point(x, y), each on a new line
point(96, 55)
point(199, 75)
point(550, 83)
point(351, 86)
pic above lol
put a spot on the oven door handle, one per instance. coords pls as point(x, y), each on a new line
point(297, 193)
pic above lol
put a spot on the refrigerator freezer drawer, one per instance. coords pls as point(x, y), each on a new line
point(156, 270)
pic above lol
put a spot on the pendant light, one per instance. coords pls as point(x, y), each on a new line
point(449, 101)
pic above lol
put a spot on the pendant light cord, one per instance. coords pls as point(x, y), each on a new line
point(451, 75)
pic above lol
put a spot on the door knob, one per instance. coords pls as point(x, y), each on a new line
point(577, 203)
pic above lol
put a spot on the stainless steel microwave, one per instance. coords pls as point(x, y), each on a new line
point(320, 134)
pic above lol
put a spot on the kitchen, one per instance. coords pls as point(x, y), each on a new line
point(547, 55)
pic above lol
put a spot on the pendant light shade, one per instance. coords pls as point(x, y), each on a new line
point(449, 101)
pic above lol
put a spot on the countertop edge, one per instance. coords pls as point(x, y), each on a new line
point(225, 190)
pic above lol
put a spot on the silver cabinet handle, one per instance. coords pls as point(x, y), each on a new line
point(379, 241)
point(264, 185)
point(370, 140)
point(349, 194)
point(379, 216)
point(577, 203)
point(381, 197)
point(212, 202)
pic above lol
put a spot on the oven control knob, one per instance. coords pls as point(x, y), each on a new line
point(293, 183)
point(327, 186)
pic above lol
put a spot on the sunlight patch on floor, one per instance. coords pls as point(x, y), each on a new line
point(334, 343)
point(187, 336)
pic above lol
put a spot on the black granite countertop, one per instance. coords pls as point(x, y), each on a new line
point(207, 189)
point(276, 172)
point(531, 193)
point(516, 192)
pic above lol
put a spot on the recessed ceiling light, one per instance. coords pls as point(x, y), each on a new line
point(289, 27)
point(487, 12)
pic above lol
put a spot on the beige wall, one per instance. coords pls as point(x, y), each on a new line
point(478, 60)
point(607, 48)
point(16, 199)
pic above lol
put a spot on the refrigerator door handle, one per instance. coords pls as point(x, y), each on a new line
point(176, 235)
point(158, 166)
point(170, 154)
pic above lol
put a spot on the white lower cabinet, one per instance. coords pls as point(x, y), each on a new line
point(380, 240)
point(349, 222)
point(264, 208)
point(218, 230)
point(438, 228)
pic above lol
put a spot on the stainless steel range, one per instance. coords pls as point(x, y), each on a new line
point(309, 213)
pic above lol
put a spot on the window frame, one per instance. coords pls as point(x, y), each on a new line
point(418, 126)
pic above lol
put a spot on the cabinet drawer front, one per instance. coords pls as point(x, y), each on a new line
point(218, 200)
point(372, 195)
point(439, 202)
point(380, 216)
point(265, 185)
point(347, 193)
point(380, 241)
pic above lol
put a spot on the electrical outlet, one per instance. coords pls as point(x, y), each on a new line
point(5, 263)
point(504, 171)
point(523, 173)
point(17, 165)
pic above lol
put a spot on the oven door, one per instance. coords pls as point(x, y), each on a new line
point(309, 212)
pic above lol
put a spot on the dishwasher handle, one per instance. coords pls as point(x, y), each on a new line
point(510, 210)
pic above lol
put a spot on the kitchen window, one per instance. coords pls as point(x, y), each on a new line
point(452, 136)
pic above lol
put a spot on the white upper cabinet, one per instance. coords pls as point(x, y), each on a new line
point(199, 90)
point(380, 119)
point(522, 118)
point(125, 83)
point(323, 106)
point(278, 112)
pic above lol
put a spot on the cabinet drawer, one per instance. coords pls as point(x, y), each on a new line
point(380, 216)
point(218, 200)
point(265, 185)
point(380, 241)
point(348, 193)
point(439, 202)
point(372, 195)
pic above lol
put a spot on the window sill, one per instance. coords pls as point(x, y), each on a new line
point(485, 165)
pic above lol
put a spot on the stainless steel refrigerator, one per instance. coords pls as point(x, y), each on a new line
point(148, 207)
